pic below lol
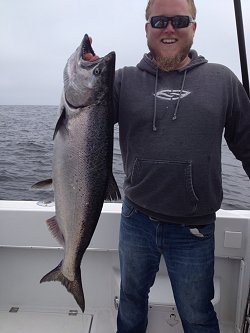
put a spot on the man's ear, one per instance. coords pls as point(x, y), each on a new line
point(194, 27)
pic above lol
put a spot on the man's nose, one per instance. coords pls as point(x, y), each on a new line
point(169, 28)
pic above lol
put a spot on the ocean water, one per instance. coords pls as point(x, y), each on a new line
point(26, 148)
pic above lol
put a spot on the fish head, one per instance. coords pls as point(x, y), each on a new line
point(88, 82)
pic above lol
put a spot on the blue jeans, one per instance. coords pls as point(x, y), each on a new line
point(189, 257)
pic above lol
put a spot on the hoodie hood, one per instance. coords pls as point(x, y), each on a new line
point(147, 64)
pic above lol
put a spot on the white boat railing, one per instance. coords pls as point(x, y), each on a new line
point(28, 251)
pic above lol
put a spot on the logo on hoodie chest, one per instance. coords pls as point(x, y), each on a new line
point(172, 95)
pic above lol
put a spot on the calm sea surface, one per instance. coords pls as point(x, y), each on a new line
point(26, 156)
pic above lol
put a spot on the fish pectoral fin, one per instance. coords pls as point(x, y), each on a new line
point(73, 287)
point(112, 192)
point(44, 184)
point(60, 122)
point(55, 230)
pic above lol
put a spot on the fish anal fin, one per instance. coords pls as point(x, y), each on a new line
point(112, 192)
point(44, 184)
point(55, 230)
point(74, 287)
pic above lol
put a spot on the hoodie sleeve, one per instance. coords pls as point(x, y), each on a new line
point(237, 127)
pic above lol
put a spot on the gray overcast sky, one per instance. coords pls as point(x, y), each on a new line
point(37, 38)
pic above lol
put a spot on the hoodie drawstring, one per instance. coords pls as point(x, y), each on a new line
point(179, 99)
point(155, 99)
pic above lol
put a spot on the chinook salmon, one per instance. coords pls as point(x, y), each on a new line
point(82, 162)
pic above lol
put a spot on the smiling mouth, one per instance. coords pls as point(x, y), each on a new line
point(169, 41)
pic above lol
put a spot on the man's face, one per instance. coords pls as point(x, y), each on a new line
point(169, 46)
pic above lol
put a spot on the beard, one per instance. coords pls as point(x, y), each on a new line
point(170, 63)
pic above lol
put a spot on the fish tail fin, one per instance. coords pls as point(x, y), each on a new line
point(73, 287)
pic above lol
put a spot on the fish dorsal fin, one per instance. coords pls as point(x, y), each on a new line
point(55, 230)
point(112, 192)
point(60, 122)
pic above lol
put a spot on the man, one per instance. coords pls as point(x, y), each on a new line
point(172, 110)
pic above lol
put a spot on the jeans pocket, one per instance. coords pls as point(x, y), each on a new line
point(205, 231)
point(127, 209)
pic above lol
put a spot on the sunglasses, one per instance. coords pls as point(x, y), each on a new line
point(178, 21)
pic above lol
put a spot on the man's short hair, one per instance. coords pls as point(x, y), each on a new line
point(190, 2)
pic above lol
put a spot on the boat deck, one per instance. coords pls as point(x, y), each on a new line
point(101, 321)
point(57, 321)
point(40, 322)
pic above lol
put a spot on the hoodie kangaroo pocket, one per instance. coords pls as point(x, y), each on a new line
point(165, 187)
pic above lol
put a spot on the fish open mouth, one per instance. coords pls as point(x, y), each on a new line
point(87, 50)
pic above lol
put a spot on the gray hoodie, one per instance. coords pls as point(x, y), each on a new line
point(171, 126)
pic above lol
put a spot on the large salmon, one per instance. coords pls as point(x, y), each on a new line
point(82, 163)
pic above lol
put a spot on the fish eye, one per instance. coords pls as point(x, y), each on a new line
point(97, 71)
